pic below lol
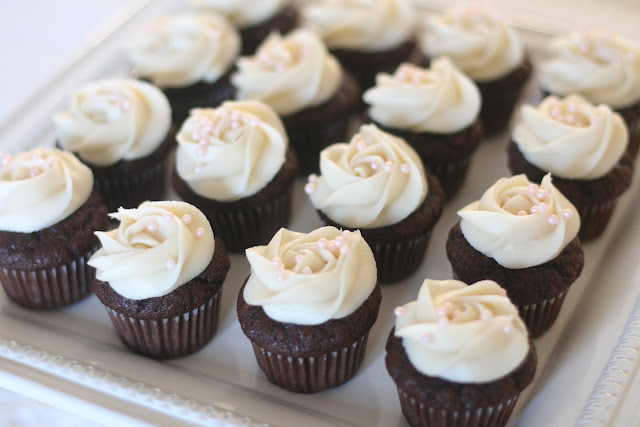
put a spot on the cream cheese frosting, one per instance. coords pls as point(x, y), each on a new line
point(114, 119)
point(440, 99)
point(362, 25)
point(232, 151)
point(571, 138)
point(520, 224)
point(599, 65)
point(183, 49)
point(157, 247)
point(308, 279)
point(242, 13)
point(464, 334)
point(289, 73)
point(375, 180)
point(475, 38)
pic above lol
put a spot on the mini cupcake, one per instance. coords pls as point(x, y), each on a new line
point(121, 129)
point(486, 49)
point(436, 111)
point(235, 164)
point(308, 305)
point(524, 237)
point(48, 214)
point(583, 146)
point(159, 275)
point(602, 67)
point(376, 183)
point(305, 85)
point(459, 355)
point(190, 57)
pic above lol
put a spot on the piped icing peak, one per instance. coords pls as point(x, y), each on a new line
point(242, 13)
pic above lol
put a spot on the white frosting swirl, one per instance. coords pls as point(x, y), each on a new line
point(465, 334)
point(520, 224)
point(363, 25)
point(41, 187)
point(476, 39)
point(242, 13)
point(437, 100)
point(289, 73)
point(114, 119)
point(183, 49)
point(375, 180)
point(571, 138)
point(602, 67)
point(308, 279)
point(231, 152)
point(158, 247)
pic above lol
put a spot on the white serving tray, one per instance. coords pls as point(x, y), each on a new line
point(73, 358)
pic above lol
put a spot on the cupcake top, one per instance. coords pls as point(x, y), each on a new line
point(114, 119)
point(289, 73)
point(464, 334)
point(183, 49)
point(308, 279)
point(601, 66)
point(157, 247)
point(242, 13)
point(41, 187)
point(520, 224)
point(361, 25)
point(232, 151)
point(440, 99)
point(571, 138)
point(374, 180)
point(476, 39)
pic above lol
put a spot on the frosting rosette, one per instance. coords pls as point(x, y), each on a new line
point(374, 180)
point(475, 38)
point(599, 65)
point(157, 247)
point(308, 279)
point(41, 187)
point(363, 25)
point(571, 138)
point(288, 73)
point(183, 49)
point(466, 334)
point(520, 224)
point(440, 99)
point(242, 13)
point(114, 119)
point(232, 151)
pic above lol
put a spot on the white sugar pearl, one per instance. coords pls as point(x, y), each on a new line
point(186, 218)
point(152, 226)
point(171, 264)
point(399, 311)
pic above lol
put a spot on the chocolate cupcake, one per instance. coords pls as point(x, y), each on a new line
point(48, 214)
point(524, 237)
point(376, 183)
point(583, 146)
point(308, 305)
point(459, 355)
point(234, 163)
point(436, 111)
point(160, 275)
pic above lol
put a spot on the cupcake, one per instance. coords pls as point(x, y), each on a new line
point(190, 57)
point(524, 237)
point(602, 67)
point(459, 355)
point(121, 129)
point(486, 49)
point(48, 214)
point(234, 163)
point(376, 183)
point(436, 111)
point(308, 305)
point(160, 275)
point(366, 37)
point(583, 146)
point(305, 85)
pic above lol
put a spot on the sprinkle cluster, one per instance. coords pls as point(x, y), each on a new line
point(570, 114)
point(590, 47)
point(412, 74)
point(39, 165)
point(153, 226)
point(541, 208)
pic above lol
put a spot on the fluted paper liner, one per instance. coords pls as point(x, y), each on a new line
point(397, 260)
point(540, 317)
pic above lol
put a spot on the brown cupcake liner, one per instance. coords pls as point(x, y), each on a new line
point(169, 337)
point(540, 317)
point(398, 260)
point(313, 373)
point(594, 218)
point(450, 174)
